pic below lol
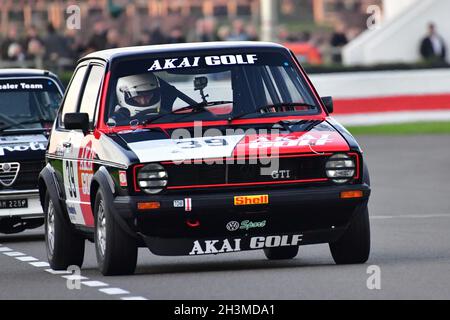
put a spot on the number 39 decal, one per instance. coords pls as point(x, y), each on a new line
point(212, 142)
point(72, 187)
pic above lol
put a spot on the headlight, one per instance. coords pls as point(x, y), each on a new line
point(152, 178)
point(340, 168)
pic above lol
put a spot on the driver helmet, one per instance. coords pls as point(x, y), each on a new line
point(139, 93)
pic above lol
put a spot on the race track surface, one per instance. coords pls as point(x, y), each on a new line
point(410, 220)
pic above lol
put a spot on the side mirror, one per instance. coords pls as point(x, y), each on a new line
point(328, 102)
point(76, 121)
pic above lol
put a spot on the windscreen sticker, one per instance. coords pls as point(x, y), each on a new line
point(21, 86)
point(189, 62)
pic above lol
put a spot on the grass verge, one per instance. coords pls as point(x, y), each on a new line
point(402, 129)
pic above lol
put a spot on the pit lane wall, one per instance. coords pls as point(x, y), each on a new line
point(387, 96)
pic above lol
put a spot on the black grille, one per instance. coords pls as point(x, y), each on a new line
point(28, 175)
point(288, 169)
point(199, 173)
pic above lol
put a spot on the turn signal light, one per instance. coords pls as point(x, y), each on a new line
point(148, 205)
point(351, 194)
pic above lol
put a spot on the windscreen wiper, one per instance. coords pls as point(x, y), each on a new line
point(197, 107)
point(298, 125)
point(275, 106)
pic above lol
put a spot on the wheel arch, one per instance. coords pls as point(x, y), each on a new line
point(48, 183)
point(102, 180)
point(366, 174)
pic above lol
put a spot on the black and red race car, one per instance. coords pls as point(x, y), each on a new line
point(29, 101)
point(197, 149)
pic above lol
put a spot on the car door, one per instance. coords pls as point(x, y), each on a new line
point(78, 163)
point(61, 146)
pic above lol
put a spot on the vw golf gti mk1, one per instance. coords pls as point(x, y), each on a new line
point(195, 149)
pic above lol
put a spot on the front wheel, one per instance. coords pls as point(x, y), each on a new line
point(282, 253)
point(116, 251)
point(354, 246)
point(64, 247)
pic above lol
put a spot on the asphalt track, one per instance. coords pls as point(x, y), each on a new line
point(410, 220)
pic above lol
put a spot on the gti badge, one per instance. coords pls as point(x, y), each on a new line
point(281, 174)
point(9, 173)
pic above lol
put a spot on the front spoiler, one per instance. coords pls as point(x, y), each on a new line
point(218, 245)
point(317, 214)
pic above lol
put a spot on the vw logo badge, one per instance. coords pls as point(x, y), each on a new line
point(233, 226)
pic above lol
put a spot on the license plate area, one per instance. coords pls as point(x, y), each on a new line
point(14, 204)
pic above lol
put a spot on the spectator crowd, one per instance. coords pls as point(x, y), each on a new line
point(51, 47)
point(59, 50)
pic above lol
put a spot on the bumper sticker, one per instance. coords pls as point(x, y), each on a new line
point(245, 225)
point(178, 203)
point(188, 204)
point(234, 245)
point(123, 178)
point(251, 200)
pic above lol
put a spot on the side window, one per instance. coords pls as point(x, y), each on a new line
point(73, 94)
point(91, 92)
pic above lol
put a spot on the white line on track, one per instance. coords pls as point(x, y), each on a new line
point(13, 254)
point(411, 216)
point(26, 259)
point(75, 277)
point(113, 291)
point(94, 284)
point(103, 287)
point(40, 264)
point(133, 298)
point(57, 272)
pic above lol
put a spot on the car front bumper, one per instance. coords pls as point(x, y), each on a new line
point(315, 214)
point(33, 210)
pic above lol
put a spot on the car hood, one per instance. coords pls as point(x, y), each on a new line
point(22, 147)
point(307, 137)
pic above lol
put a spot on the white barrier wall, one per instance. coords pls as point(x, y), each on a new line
point(383, 83)
point(392, 8)
point(398, 40)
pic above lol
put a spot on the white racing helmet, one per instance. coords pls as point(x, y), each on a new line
point(139, 93)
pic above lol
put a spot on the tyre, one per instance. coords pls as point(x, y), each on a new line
point(116, 251)
point(354, 245)
point(64, 247)
point(281, 253)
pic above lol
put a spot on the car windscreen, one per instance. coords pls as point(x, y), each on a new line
point(28, 103)
point(207, 87)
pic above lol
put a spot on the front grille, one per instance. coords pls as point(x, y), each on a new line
point(27, 177)
point(287, 170)
point(8, 173)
